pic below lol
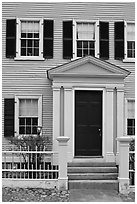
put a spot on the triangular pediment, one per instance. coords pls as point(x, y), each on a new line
point(88, 67)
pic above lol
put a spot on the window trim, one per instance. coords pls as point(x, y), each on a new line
point(18, 42)
point(75, 38)
point(17, 98)
point(126, 113)
point(127, 59)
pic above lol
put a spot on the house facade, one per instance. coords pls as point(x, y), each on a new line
point(70, 68)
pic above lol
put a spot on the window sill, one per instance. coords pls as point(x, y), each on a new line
point(129, 60)
point(29, 59)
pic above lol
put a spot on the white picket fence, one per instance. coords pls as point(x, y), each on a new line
point(26, 165)
point(132, 170)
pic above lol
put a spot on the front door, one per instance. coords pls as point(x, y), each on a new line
point(88, 123)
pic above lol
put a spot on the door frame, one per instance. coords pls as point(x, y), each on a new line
point(103, 116)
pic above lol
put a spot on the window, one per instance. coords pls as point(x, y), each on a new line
point(130, 117)
point(29, 39)
point(129, 40)
point(85, 39)
point(28, 114)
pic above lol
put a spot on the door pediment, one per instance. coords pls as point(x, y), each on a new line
point(88, 67)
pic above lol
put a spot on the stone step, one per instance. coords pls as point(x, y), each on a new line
point(92, 169)
point(92, 176)
point(93, 184)
point(91, 164)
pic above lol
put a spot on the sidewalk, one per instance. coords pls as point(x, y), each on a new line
point(94, 195)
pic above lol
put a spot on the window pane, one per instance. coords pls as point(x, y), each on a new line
point(36, 43)
point(92, 44)
point(131, 126)
point(29, 43)
point(23, 35)
point(36, 35)
point(79, 52)
point(85, 31)
point(28, 130)
point(36, 51)
point(23, 43)
point(130, 32)
point(34, 130)
point(85, 52)
point(35, 121)
point(22, 130)
point(131, 109)
point(28, 121)
point(79, 44)
point(29, 52)
point(28, 107)
point(23, 51)
point(92, 52)
point(85, 44)
point(22, 121)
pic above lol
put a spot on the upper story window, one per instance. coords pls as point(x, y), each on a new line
point(85, 39)
point(130, 41)
point(29, 39)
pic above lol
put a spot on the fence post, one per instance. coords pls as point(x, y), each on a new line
point(62, 147)
point(124, 164)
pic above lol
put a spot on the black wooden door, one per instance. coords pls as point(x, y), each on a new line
point(88, 123)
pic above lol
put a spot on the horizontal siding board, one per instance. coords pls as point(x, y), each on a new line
point(29, 77)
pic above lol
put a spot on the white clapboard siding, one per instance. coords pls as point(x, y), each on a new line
point(29, 77)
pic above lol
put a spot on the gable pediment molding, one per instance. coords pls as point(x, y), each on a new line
point(88, 67)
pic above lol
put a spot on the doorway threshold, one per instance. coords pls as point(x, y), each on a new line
point(88, 159)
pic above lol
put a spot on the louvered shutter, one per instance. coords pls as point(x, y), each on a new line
point(8, 117)
point(48, 39)
point(104, 40)
point(119, 40)
point(67, 40)
point(10, 38)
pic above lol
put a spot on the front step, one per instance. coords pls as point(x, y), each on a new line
point(96, 184)
point(92, 175)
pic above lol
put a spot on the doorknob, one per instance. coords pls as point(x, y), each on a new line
point(99, 132)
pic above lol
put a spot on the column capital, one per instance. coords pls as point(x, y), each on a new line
point(56, 88)
point(110, 88)
point(67, 88)
point(120, 88)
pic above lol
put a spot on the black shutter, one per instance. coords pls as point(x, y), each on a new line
point(8, 117)
point(48, 39)
point(104, 40)
point(10, 38)
point(67, 40)
point(119, 40)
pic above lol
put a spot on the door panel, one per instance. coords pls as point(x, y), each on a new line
point(88, 123)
